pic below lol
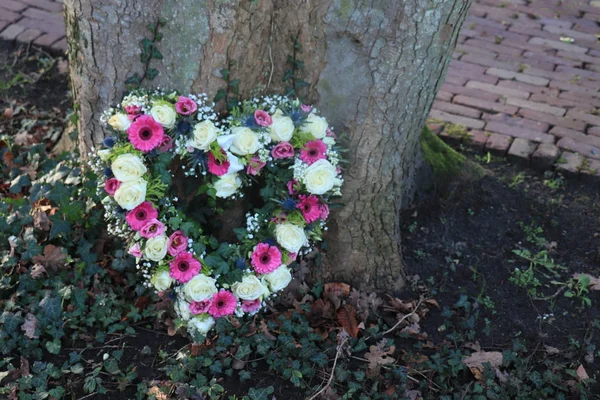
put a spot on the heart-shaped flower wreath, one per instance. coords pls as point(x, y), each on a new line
point(286, 142)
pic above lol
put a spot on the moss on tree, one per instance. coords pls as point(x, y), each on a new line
point(445, 162)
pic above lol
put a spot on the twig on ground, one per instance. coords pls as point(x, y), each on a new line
point(337, 355)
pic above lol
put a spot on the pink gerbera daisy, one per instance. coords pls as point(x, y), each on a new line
point(111, 186)
point(251, 306)
point(200, 307)
point(145, 133)
point(152, 229)
point(185, 106)
point(216, 167)
point(313, 151)
point(223, 303)
point(184, 267)
point(265, 258)
point(324, 209)
point(309, 205)
point(177, 243)
point(139, 216)
point(262, 118)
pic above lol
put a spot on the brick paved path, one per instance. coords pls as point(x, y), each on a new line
point(525, 82)
point(37, 21)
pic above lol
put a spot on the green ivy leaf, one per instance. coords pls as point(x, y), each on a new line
point(260, 393)
point(59, 227)
point(53, 347)
point(51, 306)
point(151, 73)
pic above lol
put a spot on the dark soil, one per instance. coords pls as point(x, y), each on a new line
point(465, 241)
point(31, 75)
point(460, 243)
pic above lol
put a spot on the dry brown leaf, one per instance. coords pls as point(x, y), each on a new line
point(433, 302)
point(170, 327)
point(265, 330)
point(53, 257)
point(413, 329)
point(476, 361)
point(379, 355)
point(594, 281)
point(551, 350)
point(582, 373)
point(412, 395)
point(156, 392)
point(8, 112)
point(29, 326)
point(29, 170)
point(404, 307)
point(41, 220)
point(337, 289)
point(37, 271)
point(346, 317)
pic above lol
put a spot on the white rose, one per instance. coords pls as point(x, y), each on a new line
point(320, 177)
point(119, 122)
point(227, 185)
point(156, 248)
point(329, 141)
point(204, 134)
point(131, 194)
point(291, 237)
point(315, 125)
point(104, 154)
point(250, 288)
point(161, 280)
point(200, 324)
point(164, 114)
point(182, 308)
point(128, 167)
point(279, 279)
point(282, 128)
point(199, 288)
point(245, 141)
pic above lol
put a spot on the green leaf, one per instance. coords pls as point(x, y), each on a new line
point(53, 347)
point(260, 393)
point(151, 73)
point(60, 227)
point(52, 307)
point(111, 366)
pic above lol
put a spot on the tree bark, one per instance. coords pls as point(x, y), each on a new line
point(372, 67)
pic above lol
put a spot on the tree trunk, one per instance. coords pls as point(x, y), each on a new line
point(372, 67)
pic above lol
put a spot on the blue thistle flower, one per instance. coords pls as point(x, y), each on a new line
point(295, 116)
point(250, 122)
point(183, 127)
point(240, 263)
point(172, 295)
point(198, 158)
point(289, 204)
point(120, 210)
point(109, 142)
point(108, 172)
point(270, 242)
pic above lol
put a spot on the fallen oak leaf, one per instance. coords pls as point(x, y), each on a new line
point(41, 220)
point(29, 326)
point(346, 317)
point(379, 355)
point(37, 271)
point(476, 361)
point(53, 257)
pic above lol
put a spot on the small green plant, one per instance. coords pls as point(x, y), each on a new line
point(517, 180)
point(577, 288)
point(526, 279)
point(534, 234)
